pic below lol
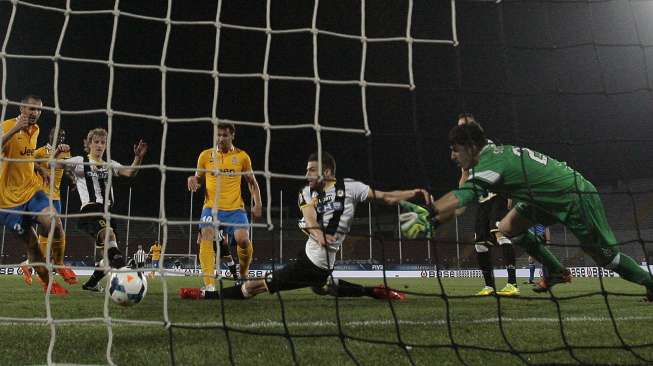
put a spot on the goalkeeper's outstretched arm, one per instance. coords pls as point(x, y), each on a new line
point(445, 208)
point(420, 222)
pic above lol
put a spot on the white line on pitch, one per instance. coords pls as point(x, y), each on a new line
point(323, 324)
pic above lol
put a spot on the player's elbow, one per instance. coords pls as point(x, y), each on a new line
point(390, 199)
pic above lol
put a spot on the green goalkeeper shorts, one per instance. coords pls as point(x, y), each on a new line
point(582, 213)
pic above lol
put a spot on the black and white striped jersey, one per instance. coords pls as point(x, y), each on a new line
point(328, 207)
point(139, 256)
point(92, 181)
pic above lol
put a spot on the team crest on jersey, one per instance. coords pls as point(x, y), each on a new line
point(234, 160)
point(340, 193)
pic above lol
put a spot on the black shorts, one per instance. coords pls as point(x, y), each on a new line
point(92, 225)
point(488, 216)
point(298, 274)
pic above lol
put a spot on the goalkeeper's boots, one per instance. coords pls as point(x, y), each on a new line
point(509, 290)
point(27, 273)
point(96, 288)
point(382, 292)
point(486, 291)
point(56, 289)
point(68, 275)
point(545, 283)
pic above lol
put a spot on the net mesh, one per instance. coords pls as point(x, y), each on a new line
point(507, 87)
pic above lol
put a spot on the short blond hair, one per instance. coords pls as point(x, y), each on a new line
point(92, 133)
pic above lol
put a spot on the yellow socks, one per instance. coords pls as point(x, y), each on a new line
point(58, 248)
point(245, 258)
point(43, 245)
point(207, 262)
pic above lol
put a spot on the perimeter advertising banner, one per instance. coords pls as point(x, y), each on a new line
point(365, 271)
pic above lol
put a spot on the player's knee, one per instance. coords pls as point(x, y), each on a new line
point(111, 234)
point(508, 229)
point(207, 233)
point(504, 229)
point(243, 244)
point(58, 230)
point(481, 248)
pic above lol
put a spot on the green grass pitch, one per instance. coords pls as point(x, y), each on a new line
point(530, 326)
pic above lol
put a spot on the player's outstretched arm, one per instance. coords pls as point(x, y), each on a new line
point(394, 197)
point(445, 207)
point(420, 222)
point(140, 149)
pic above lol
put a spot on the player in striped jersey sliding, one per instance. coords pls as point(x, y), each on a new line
point(328, 207)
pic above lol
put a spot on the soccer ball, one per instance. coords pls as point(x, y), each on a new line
point(127, 288)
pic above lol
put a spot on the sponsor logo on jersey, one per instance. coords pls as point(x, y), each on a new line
point(228, 172)
point(99, 174)
point(27, 151)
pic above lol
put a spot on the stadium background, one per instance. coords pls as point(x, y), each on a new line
point(572, 80)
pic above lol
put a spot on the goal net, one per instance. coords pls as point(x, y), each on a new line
point(378, 85)
point(181, 263)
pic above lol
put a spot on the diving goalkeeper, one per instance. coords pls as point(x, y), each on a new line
point(546, 191)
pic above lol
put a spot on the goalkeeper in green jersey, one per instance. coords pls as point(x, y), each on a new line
point(545, 191)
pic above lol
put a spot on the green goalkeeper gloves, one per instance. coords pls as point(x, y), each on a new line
point(415, 222)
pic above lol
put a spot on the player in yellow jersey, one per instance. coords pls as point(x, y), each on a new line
point(221, 170)
point(155, 256)
point(57, 148)
point(21, 187)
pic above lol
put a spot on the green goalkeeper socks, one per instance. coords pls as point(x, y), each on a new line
point(629, 270)
point(533, 246)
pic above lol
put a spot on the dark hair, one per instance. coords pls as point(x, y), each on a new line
point(328, 162)
point(470, 134)
point(227, 126)
point(467, 116)
point(26, 98)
